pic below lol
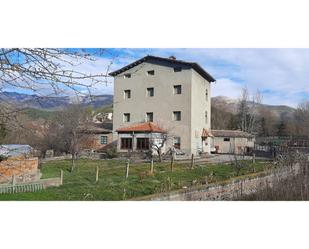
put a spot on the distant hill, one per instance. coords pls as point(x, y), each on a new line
point(53, 103)
point(230, 105)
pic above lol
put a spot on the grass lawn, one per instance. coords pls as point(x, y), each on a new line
point(81, 185)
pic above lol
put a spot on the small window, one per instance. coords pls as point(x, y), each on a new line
point(150, 92)
point(177, 89)
point(206, 117)
point(127, 75)
point(127, 94)
point(206, 94)
point(142, 143)
point(177, 142)
point(250, 139)
point(177, 116)
point(177, 69)
point(149, 117)
point(126, 117)
point(226, 139)
point(126, 143)
point(104, 139)
point(151, 72)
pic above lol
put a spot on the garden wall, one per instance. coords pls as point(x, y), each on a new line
point(25, 169)
point(225, 191)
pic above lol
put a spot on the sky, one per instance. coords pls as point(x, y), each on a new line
point(281, 75)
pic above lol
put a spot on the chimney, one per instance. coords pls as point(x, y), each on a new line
point(172, 57)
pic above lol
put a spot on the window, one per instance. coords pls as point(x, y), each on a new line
point(126, 143)
point(127, 75)
point(149, 117)
point(177, 89)
point(226, 139)
point(177, 142)
point(150, 91)
point(206, 94)
point(127, 94)
point(177, 116)
point(177, 69)
point(206, 117)
point(142, 143)
point(103, 139)
point(151, 72)
point(126, 117)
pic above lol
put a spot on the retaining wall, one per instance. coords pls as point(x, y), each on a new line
point(225, 191)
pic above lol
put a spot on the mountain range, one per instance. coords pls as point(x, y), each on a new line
point(230, 105)
point(53, 103)
point(96, 101)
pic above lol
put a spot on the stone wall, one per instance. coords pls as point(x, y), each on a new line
point(25, 169)
point(230, 190)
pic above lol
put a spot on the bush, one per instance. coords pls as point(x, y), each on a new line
point(111, 152)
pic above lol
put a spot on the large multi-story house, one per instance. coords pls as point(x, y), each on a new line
point(157, 95)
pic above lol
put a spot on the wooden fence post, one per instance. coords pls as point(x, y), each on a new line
point(172, 162)
point(13, 180)
point(253, 158)
point(151, 166)
point(97, 174)
point(127, 169)
point(61, 177)
point(192, 161)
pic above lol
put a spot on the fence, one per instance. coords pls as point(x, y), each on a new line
point(29, 186)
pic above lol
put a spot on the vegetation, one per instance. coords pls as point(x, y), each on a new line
point(81, 185)
point(290, 187)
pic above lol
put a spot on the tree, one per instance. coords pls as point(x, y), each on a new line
point(267, 122)
point(248, 111)
point(46, 72)
point(158, 141)
point(72, 121)
point(301, 116)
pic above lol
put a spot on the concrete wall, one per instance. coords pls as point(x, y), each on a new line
point(162, 104)
point(235, 145)
point(200, 105)
point(164, 101)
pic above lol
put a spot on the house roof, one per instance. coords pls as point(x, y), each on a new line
point(14, 150)
point(151, 58)
point(141, 127)
point(230, 133)
point(206, 133)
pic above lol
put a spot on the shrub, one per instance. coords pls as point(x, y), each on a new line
point(111, 152)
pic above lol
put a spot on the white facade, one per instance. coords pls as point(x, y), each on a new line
point(131, 96)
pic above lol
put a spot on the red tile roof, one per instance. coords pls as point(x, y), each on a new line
point(142, 127)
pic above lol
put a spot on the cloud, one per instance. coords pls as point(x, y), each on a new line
point(226, 87)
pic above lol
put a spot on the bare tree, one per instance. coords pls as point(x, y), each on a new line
point(72, 120)
point(248, 110)
point(46, 72)
point(159, 141)
point(301, 116)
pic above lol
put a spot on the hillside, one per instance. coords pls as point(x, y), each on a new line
point(230, 105)
point(53, 103)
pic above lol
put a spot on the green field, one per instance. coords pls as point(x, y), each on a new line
point(112, 185)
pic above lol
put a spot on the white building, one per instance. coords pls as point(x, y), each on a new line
point(172, 94)
point(232, 141)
